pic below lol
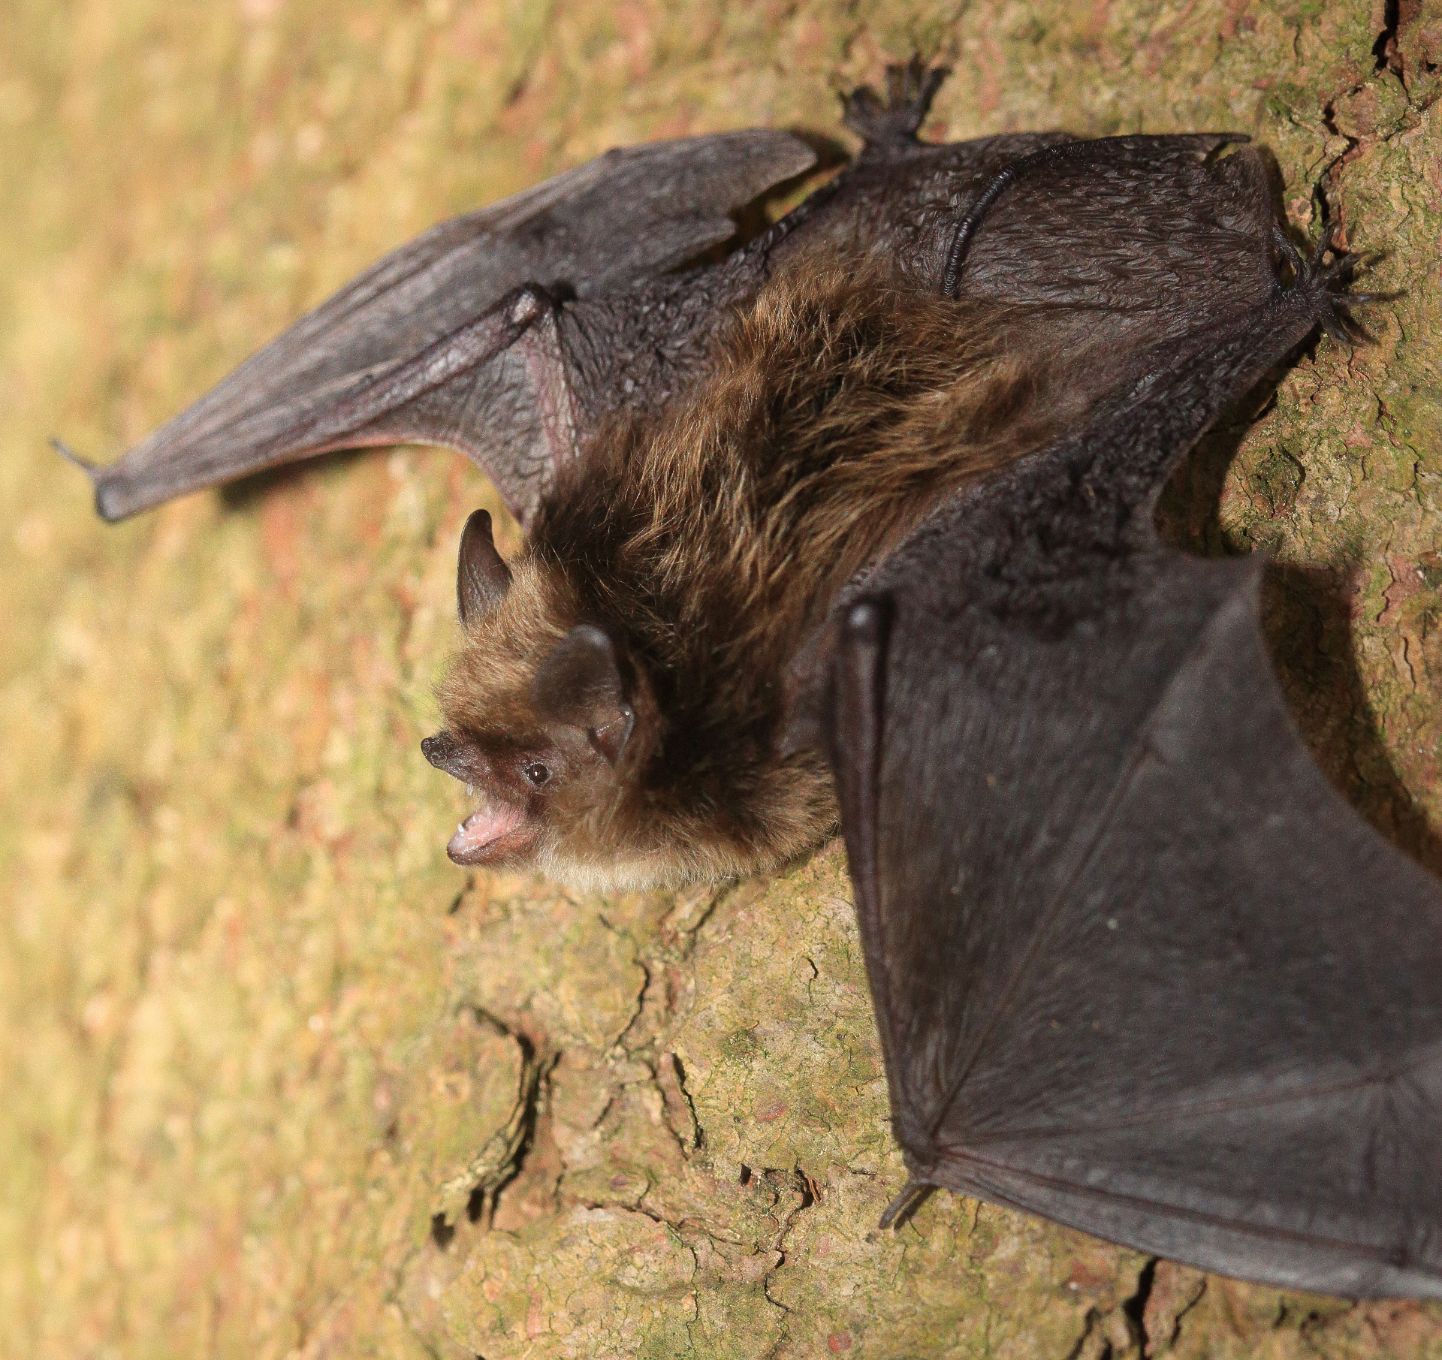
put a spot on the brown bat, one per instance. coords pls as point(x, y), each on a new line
point(854, 524)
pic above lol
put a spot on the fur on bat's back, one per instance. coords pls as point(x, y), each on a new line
point(710, 542)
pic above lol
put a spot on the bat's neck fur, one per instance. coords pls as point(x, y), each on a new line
point(838, 407)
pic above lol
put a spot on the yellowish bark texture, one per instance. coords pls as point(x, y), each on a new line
point(280, 1081)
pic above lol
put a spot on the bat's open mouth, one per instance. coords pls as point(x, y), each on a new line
point(492, 832)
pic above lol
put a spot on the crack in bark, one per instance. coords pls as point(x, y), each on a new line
point(670, 1078)
point(1384, 50)
point(806, 1191)
point(1134, 1309)
point(1176, 1332)
point(684, 923)
point(1388, 64)
point(1091, 1324)
point(1121, 1330)
point(502, 1157)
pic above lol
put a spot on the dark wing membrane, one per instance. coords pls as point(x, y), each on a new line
point(1138, 968)
point(444, 305)
point(1137, 228)
point(901, 200)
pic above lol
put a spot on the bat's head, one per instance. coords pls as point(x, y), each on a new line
point(545, 723)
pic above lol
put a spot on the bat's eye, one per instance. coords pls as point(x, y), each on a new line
point(536, 773)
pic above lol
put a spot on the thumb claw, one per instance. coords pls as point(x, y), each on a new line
point(66, 452)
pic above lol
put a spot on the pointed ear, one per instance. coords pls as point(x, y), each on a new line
point(482, 577)
point(582, 683)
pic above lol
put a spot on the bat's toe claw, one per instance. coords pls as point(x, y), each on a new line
point(1327, 242)
point(1325, 277)
point(894, 120)
point(862, 110)
point(912, 85)
point(1344, 329)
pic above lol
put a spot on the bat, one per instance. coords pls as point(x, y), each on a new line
point(851, 525)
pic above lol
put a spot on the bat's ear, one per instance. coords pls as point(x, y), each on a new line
point(482, 577)
point(582, 683)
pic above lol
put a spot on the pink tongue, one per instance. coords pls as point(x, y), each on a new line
point(483, 826)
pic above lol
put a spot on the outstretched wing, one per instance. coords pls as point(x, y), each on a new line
point(453, 339)
point(1137, 966)
point(1130, 228)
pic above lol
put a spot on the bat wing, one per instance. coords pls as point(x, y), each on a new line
point(453, 338)
point(1137, 967)
point(1135, 224)
point(1128, 229)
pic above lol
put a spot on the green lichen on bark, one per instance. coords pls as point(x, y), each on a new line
point(280, 1081)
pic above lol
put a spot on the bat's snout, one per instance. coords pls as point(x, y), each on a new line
point(446, 753)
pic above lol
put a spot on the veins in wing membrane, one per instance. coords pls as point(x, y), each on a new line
point(1200, 1109)
point(1138, 750)
point(1162, 1209)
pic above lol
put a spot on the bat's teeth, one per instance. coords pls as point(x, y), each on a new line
point(481, 831)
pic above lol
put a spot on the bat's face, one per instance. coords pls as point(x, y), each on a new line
point(541, 727)
point(513, 785)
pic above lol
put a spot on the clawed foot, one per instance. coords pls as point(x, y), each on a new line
point(1328, 273)
point(910, 88)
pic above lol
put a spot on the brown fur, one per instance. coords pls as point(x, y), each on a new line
point(710, 543)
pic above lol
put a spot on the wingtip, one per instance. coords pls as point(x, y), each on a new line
point(108, 503)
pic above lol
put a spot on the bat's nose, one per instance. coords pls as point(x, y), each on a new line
point(455, 755)
point(439, 749)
